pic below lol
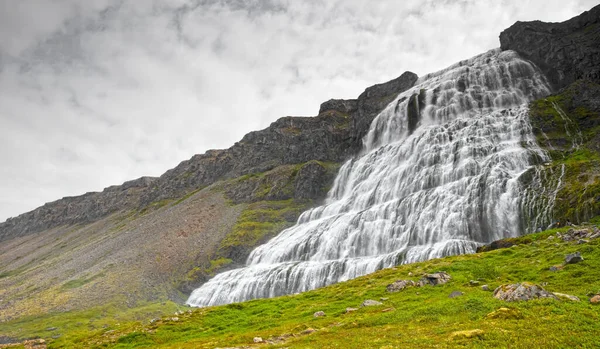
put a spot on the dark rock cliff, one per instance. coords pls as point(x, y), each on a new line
point(332, 136)
point(565, 52)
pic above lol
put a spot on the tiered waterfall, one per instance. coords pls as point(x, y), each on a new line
point(438, 175)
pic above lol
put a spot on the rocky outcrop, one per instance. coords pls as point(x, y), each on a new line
point(332, 136)
point(565, 52)
point(82, 209)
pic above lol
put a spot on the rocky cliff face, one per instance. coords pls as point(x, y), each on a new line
point(332, 136)
point(565, 52)
point(82, 209)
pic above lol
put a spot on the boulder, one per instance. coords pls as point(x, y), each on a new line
point(573, 258)
point(521, 292)
point(399, 285)
point(455, 294)
point(434, 279)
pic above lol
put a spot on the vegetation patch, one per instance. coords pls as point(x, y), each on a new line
point(568, 131)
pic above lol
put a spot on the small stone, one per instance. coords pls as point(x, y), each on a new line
point(410, 273)
point(399, 285)
point(582, 241)
point(51, 329)
point(154, 320)
point(556, 268)
point(319, 314)
point(474, 283)
point(349, 310)
point(485, 288)
point(466, 334)
point(56, 336)
point(370, 303)
point(175, 318)
point(455, 294)
point(383, 299)
point(595, 299)
point(567, 297)
point(387, 310)
point(258, 340)
point(505, 313)
point(308, 331)
point(573, 258)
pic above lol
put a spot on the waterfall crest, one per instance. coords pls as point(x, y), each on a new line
point(438, 175)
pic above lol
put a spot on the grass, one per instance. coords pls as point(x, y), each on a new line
point(414, 318)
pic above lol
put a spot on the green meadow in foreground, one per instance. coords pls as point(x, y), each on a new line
point(423, 317)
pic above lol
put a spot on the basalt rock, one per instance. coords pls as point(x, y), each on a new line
point(565, 52)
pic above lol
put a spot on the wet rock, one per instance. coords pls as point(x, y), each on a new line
point(573, 258)
point(370, 303)
point(505, 314)
point(466, 334)
point(595, 299)
point(399, 285)
point(521, 292)
point(319, 314)
point(434, 279)
point(485, 288)
point(455, 294)
point(567, 297)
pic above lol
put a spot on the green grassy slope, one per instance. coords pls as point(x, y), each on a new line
point(422, 317)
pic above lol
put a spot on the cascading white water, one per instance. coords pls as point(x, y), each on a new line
point(439, 175)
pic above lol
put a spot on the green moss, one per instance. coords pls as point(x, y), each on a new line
point(259, 222)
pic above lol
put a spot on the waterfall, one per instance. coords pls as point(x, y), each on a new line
point(438, 176)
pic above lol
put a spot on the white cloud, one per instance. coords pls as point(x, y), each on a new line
point(93, 93)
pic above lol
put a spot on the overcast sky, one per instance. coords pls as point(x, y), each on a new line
point(97, 92)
